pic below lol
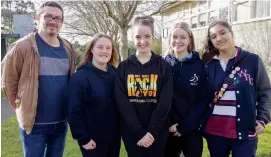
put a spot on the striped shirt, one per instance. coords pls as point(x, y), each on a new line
point(222, 122)
point(53, 79)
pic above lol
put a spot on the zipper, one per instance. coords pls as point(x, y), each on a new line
point(180, 70)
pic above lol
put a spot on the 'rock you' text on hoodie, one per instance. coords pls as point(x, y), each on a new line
point(144, 93)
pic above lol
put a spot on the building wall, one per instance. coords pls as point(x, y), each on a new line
point(255, 36)
point(252, 30)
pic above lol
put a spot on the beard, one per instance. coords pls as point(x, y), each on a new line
point(54, 26)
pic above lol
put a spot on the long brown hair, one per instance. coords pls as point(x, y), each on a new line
point(209, 50)
point(89, 55)
point(185, 26)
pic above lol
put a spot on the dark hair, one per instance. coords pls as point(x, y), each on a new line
point(89, 55)
point(50, 4)
point(209, 51)
point(185, 26)
point(144, 21)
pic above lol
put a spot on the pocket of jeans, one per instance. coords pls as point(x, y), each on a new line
point(62, 127)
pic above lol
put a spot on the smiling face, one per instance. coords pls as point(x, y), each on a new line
point(179, 40)
point(143, 38)
point(221, 37)
point(50, 20)
point(102, 51)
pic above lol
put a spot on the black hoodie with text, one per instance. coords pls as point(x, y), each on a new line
point(144, 94)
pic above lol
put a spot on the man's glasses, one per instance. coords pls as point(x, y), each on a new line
point(50, 18)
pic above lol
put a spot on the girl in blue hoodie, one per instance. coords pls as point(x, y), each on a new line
point(144, 93)
point(92, 114)
point(189, 94)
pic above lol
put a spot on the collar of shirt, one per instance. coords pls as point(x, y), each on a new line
point(222, 62)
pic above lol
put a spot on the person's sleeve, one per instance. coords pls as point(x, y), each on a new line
point(76, 111)
point(160, 113)
point(12, 65)
point(125, 108)
point(263, 94)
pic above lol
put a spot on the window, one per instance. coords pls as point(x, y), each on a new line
point(260, 9)
point(215, 4)
point(223, 13)
point(180, 14)
point(186, 12)
point(187, 21)
point(194, 22)
point(240, 10)
point(202, 20)
point(213, 15)
point(203, 6)
point(194, 10)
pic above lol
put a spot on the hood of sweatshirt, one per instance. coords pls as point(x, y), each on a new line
point(154, 58)
point(90, 67)
point(170, 58)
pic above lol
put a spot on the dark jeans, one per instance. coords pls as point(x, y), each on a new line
point(45, 140)
point(221, 146)
point(190, 143)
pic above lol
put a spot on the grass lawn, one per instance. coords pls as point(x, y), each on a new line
point(11, 144)
point(2, 94)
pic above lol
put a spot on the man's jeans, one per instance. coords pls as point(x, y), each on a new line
point(45, 140)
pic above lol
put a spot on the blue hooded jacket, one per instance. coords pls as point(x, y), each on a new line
point(92, 109)
point(190, 92)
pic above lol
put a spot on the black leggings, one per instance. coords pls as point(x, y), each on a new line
point(155, 150)
point(110, 149)
point(191, 144)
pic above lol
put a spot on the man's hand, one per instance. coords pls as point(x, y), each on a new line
point(90, 145)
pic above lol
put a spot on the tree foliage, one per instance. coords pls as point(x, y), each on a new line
point(8, 8)
point(112, 17)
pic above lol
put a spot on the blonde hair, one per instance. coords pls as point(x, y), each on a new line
point(186, 27)
point(89, 55)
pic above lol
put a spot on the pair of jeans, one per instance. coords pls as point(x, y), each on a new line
point(222, 146)
point(45, 140)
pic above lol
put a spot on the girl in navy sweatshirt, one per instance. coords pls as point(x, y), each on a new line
point(189, 94)
point(92, 117)
point(240, 108)
point(144, 90)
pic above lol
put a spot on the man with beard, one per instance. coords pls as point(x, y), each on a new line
point(35, 73)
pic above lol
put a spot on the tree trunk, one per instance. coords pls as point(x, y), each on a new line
point(123, 46)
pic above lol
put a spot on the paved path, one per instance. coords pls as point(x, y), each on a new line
point(6, 110)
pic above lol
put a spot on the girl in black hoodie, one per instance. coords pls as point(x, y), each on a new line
point(92, 117)
point(189, 99)
point(144, 90)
